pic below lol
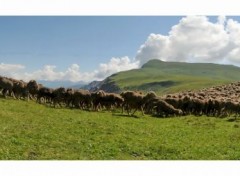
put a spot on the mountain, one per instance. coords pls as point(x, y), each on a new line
point(93, 86)
point(66, 84)
point(169, 77)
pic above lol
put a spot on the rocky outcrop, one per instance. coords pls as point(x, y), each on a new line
point(107, 85)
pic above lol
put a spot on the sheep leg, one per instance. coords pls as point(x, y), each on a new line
point(4, 92)
point(134, 112)
point(142, 110)
point(128, 110)
point(123, 107)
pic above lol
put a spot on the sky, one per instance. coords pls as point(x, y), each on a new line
point(87, 48)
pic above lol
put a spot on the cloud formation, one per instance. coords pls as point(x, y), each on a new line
point(72, 73)
point(195, 39)
point(10, 69)
point(115, 65)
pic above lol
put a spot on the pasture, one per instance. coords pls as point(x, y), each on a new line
point(30, 131)
point(171, 77)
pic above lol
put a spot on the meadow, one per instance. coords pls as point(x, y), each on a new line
point(171, 77)
point(30, 131)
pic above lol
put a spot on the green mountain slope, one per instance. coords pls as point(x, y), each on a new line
point(169, 77)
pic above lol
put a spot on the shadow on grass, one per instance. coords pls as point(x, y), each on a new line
point(232, 120)
point(125, 115)
point(164, 117)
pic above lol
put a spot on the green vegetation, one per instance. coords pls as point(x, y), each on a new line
point(170, 77)
point(32, 131)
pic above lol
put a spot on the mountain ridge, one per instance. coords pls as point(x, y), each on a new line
point(170, 77)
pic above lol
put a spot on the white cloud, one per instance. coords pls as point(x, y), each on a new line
point(115, 65)
point(48, 73)
point(195, 39)
point(10, 69)
point(222, 20)
point(72, 73)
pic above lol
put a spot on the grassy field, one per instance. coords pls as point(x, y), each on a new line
point(30, 131)
point(171, 77)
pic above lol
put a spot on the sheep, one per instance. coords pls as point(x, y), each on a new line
point(214, 101)
point(69, 97)
point(7, 86)
point(45, 95)
point(111, 100)
point(20, 89)
point(147, 99)
point(82, 99)
point(58, 96)
point(162, 108)
point(132, 100)
point(97, 98)
point(33, 89)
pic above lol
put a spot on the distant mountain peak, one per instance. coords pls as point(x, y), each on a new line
point(152, 63)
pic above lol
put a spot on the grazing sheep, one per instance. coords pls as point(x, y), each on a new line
point(163, 109)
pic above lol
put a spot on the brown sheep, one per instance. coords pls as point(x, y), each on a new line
point(132, 100)
point(147, 101)
point(111, 100)
point(7, 86)
point(58, 96)
point(82, 99)
point(163, 109)
point(69, 97)
point(45, 95)
point(33, 89)
point(97, 98)
point(20, 89)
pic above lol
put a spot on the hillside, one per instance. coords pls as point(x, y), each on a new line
point(30, 131)
point(171, 77)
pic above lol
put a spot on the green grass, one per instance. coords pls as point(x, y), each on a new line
point(190, 76)
point(32, 131)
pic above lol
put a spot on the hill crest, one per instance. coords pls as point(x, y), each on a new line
point(170, 77)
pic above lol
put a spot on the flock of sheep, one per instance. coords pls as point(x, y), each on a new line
point(217, 101)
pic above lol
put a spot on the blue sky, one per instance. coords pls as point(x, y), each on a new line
point(73, 47)
point(87, 41)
